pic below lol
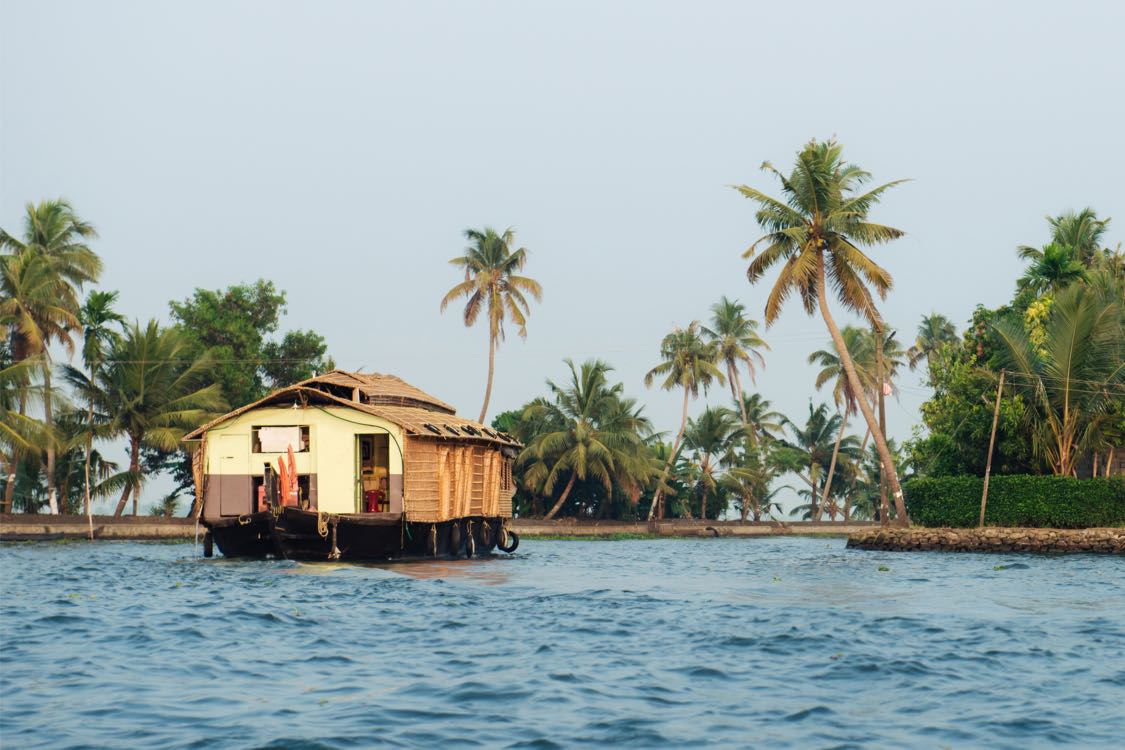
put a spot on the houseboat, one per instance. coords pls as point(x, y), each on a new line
point(352, 466)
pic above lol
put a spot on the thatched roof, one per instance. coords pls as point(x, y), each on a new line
point(385, 396)
point(376, 388)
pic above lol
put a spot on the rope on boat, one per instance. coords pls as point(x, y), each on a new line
point(321, 523)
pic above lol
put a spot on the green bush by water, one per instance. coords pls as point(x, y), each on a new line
point(1017, 500)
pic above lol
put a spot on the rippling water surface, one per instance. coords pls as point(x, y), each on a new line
point(775, 643)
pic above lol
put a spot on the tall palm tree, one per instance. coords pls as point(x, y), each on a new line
point(492, 283)
point(688, 363)
point(1076, 377)
point(860, 345)
point(815, 234)
point(99, 333)
point(737, 341)
point(809, 451)
point(36, 313)
point(152, 396)
point(709, 436)
point(934, 332)
point(54, 232)
point(599, 436)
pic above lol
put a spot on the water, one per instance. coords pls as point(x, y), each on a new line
point(774, 643)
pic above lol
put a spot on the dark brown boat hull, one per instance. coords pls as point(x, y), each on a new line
point(305, 535)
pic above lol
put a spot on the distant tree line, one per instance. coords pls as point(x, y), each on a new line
point(143, 382)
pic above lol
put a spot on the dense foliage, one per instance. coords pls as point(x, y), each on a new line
point(1017, 500)
point(145, 383)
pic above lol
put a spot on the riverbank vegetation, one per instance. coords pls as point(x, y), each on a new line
point(77, 378)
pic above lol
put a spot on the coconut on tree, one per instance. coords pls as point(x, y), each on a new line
point(815, 234)
point(689, 363)
point(493, 285)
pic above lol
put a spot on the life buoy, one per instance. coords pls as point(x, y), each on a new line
point(511, 541)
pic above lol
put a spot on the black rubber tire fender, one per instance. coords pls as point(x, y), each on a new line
point(513, 542)
point(485, 535)
point(470, 543)
point(455, 540)
point(208, 545)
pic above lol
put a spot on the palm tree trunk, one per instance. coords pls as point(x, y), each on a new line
point(832, 464)
point(49, 421)
point(491, 371)
point(745, 506)
point(656, 498)
point(89, 447)
point(736, 389)
point(11, 463)
point(562, 498)
point(134, 466)
point(857, 388)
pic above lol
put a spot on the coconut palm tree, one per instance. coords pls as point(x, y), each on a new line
point(1057, 267)
point(154, 393)
point(809, 451)
point(99, 333)
point(764, 424)
point(492, 284)
point(1081, 231)
point(599, 436)
point(737, 342)
point(815, 233)
point(860, 345)
point(20, 433)
point(708, 437)
point(934, 332)
point(688, 363)
point(1076, 377)
point(54, 232)
point(37, 312)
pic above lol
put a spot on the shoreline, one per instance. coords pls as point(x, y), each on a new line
point(992, 539)
point(32, 527)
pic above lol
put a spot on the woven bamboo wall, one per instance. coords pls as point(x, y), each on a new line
point(445, 480)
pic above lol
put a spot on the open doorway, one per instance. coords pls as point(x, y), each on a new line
point(373, 476)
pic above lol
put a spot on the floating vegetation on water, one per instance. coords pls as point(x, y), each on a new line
point(883, 569)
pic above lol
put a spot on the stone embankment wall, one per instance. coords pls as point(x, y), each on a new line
point(41, 527)
point(991, 540)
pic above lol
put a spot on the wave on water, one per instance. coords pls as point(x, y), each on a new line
point(780, 643)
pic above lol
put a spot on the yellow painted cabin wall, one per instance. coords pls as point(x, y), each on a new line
point(332, 448)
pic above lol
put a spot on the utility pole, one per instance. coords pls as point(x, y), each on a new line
point(991, 445)
point(884, 510)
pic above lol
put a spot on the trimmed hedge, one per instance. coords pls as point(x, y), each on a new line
point(1017, 500)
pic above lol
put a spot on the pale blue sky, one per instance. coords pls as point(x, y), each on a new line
point(340, 148)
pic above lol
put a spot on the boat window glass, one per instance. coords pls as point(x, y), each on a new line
point(278, 439)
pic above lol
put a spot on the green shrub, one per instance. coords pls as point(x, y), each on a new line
point(1017, 500)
